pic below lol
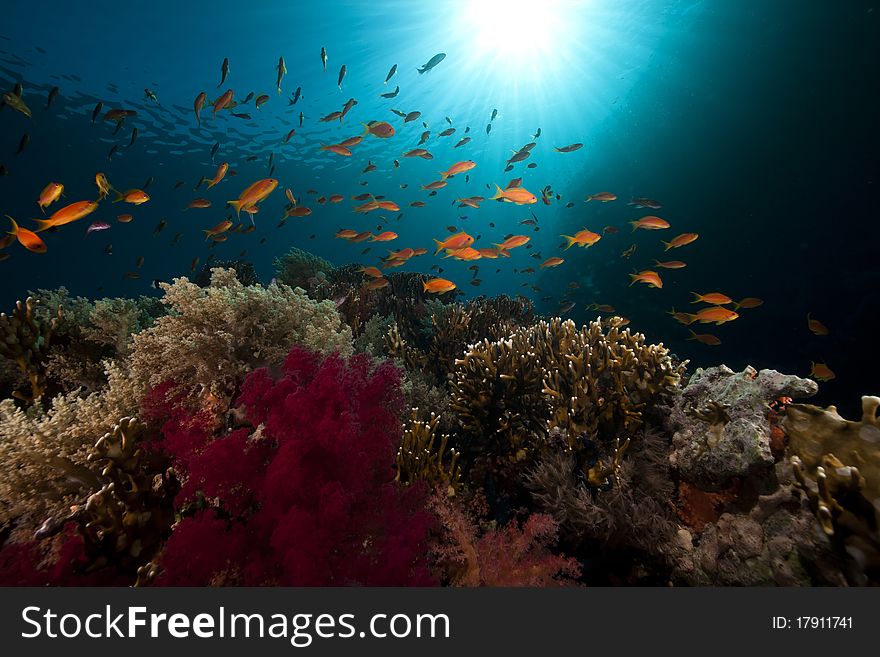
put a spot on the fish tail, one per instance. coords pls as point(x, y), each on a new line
point(697, 297)
point(499, 193)
point(440, 246)
point(43, 224)
point(693, 335)
point(570, 242)
point(424, 286)
point(635, 225)
point(237, 205)
point(589, 198)
point(443, 175)
point(119, 196)
point(633, 278)
point(668, 245)
point(14, 230)
point(366, 128)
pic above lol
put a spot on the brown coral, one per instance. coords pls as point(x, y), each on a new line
point(423, 456)
point(25, 340)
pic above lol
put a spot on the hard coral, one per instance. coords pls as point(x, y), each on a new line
point(306, 496)
point(591, 382)
point(216, 335)
point(25, 340)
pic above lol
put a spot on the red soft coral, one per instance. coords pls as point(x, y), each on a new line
point(308, 498)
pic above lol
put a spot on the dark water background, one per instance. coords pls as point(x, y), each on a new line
point(754, 123)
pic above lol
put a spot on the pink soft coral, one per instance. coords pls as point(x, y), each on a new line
point(309, 497)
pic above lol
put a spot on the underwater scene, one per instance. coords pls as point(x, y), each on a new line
point(471, 293)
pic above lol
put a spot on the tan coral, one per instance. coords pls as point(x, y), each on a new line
point(24, 339)
point(423, 456)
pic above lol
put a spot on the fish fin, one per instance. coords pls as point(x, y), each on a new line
point(697, 298)
point(119, 196)
point(440, 246)
point(570, 240)
point(237, 205)
point(43, 224)
point(635, 225)
point(443, 175)
point(668, 246)
point(499, 193)
point(693, 335)
point(633, 278)
point(14, 230)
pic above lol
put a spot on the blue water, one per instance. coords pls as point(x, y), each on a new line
point(753, 123)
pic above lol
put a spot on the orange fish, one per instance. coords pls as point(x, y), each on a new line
point(390, 206)
point(816, 326)
point(705, 338)
point(458, 167)
point(386, 236)
point(650, 222)
point(605, 197)
point(650, 278)
point(457, 241)
point(518, 195)
point(420, 251)
point(369, 206)
point(466, 253)
point(199, 203)
point(373, 272)
point(377, 283)
point(381, 129)
point(670, 264)
point(198, 105)
point(403, 254)
point(361, 237)
point(717, 314)
point(685, 318)
point(104, 186)
point(821, 371)
point(470, 202)
point(67, 214)
point(438, 286)
point(218, 176)
point(51, 193)
point(715, 298)
point(133, 196)
point(336, 198)
point(27, 238)
point(552, 262)
point(681, 240)
point(332, 116)
point(583, 238)
point(301, 211)
point(748, 302)
point(351, 141)
point(419, 152)
point(346, 233)
point(437, 184)
point(222, 102)
point(252, 195)
point(513, 242)
point(220, 228)
point(336, 148)
point(124, 218)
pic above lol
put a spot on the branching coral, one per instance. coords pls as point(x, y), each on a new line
point(590, 382)
point(25, 340)
point(219, 333)
point(423, 456)
point(306, 495)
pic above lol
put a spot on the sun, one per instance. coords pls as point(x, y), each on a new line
point(516, 31)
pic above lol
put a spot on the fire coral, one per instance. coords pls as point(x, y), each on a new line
point(306, 496)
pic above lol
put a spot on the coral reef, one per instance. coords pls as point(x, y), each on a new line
point(216, 335)
point(25, 340)
point(306, 494)
point(298, 268)
point(423, 456)
point(244, 272)
point(591, 382)
point(506, 556)
point(721, 423)
point(837, 465)
point(44, 454)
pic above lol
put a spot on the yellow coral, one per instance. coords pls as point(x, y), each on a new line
point(422, 458)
